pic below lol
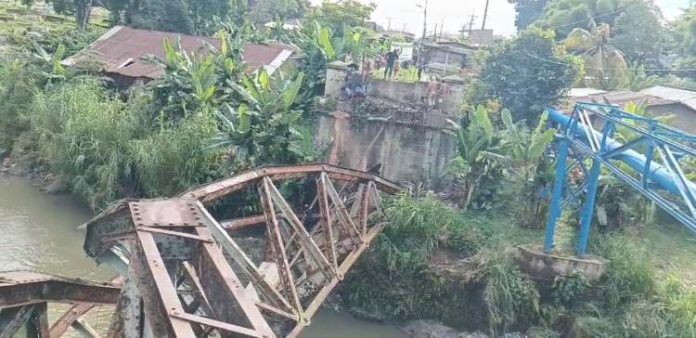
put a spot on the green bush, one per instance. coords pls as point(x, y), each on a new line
point(511, 298)
point(173, 160)
point(82, 133)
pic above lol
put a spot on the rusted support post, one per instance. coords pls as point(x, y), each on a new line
point(159, 295)
point(12, 319)
point(306, 242)
point(327, 222)
point(128, 318)
point(248, 267)
point(276, 242)
point(37, 325)
point(228, 299)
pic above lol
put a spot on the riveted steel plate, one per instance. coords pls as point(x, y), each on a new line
point(175, 212)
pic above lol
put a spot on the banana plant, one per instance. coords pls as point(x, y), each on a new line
point(525, 149)
point(264, 127)
point(478, 154)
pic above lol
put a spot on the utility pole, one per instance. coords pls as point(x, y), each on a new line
point(485, 15)
point(425, 18)
point(442, 27)
point(471, 22)
point(389, 20)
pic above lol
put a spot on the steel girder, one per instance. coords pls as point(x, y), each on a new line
point(189, 275)
point(24, 298)
point(651, 161)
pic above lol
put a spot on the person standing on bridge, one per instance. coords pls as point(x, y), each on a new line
point(392, 57)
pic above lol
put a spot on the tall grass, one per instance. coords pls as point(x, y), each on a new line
point(511, 298)
point(82, 133)
point(630, 274)
point(172, 160)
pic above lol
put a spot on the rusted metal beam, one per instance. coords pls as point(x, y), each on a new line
point(227, 297)
point(157, 289)
point(306, 242)
point(242, 259)
point(327, 223)
point(37, 326)
point(128, 318)
point(224, 187)
point(243, 223)
point(346, 265)
point(12, 319)
point(73, 313)
point(22, 288)
point(218, 325)
point(278, 248)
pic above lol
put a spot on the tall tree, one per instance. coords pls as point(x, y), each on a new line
point(338, 15)
point(565, 15)
point(605, 64)
point(686, 37)
point(269, 10)
point(639, 33)
point(527, 74)
point(528, 11)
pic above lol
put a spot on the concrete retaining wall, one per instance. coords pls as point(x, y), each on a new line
point(406, 153)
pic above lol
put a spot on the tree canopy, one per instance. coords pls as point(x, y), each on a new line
point(528, 11)
point(528, 73)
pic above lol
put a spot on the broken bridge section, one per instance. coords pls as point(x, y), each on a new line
point(24, 298)
point(293, 234)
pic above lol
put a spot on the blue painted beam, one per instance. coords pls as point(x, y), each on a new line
point(657, 173)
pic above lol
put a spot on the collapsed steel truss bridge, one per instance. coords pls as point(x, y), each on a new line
point(184, 273)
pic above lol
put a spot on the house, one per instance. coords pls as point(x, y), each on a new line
point(481, 37)
point(658, 101)
point(122, 53)
point(447, 57)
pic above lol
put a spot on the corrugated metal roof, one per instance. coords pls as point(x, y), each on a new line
point(683, 96)
point(622, 97)
point(580, 92)
point(123, 51)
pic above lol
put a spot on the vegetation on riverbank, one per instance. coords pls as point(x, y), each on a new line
point(445, 255)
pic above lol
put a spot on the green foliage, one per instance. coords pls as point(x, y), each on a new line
point(183, 16)
point(478, 155)
point(510, 297)
point(605, 66)
point(271, 10)
point(180, 152)
point(264, 128)
point(638, 32)
point(565, 15)
point(637, 79)
point(629, 274)
point(569, 290)
point(528, 11)
point(83, 134)
point(341, 15)
point(686, 32)
point(527, 74)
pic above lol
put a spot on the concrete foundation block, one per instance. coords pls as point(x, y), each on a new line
point(539, 264)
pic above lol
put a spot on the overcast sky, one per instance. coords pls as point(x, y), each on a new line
point(455, 13)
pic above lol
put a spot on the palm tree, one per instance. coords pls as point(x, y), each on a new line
point(605, 65)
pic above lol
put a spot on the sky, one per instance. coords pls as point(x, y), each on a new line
point(452, 14)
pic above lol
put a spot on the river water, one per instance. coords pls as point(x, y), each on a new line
point(38, 232)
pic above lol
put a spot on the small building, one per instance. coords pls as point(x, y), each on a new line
point(658, 101)
point(481, 37)
point(122, 53)
point(447, 57)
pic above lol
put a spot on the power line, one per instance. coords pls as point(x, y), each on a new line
point(598, 68)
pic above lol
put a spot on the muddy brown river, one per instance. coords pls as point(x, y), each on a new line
point(38, 232)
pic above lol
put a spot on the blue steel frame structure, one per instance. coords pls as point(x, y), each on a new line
point(652, 163)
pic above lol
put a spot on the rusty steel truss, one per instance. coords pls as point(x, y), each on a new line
point(24, 298)
point(262, 274)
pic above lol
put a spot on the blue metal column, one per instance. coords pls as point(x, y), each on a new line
point(588, 208)
point(557, 197)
